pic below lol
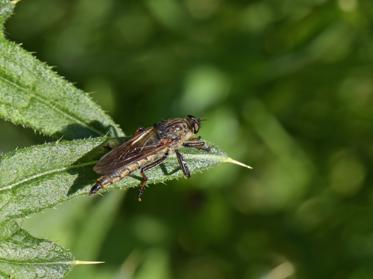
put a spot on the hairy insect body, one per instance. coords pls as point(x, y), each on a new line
point(148, 148)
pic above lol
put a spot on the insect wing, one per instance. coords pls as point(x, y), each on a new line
point(140, 145)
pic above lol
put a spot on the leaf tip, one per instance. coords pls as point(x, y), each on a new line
point(87, 262)
point(235, 162)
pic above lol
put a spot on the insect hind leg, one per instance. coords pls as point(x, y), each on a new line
point(145, 178)
point(142, 185)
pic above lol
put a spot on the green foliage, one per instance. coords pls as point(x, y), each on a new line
point(23, 256)
point(42, 176)
point(285, 84)
point(32, 95)
point(6, 9)
point(45, 175)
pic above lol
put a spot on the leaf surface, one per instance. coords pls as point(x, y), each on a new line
point(34, 96)
point(6, 9)
point(42, 176)
point(23, 256)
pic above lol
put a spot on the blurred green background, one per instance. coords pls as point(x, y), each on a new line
point(285, 85)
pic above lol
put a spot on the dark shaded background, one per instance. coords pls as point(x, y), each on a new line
point(286, 86)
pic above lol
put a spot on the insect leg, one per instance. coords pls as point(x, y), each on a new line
point(145, 178)
point(197, 144)
point(182, 163)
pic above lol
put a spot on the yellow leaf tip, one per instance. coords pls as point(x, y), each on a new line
point(87, 262)
point(235, 162)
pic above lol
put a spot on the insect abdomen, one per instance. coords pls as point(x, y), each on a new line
point(106, 180)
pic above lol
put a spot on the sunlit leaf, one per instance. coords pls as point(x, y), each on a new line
point(23, 256)
point(42, 176)
point(33, 95)
point(6, 9)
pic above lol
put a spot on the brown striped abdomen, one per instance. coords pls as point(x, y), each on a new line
point(107, 180)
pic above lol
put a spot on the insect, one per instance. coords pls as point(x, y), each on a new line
point(148, 148)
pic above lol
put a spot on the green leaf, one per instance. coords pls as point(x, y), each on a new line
point(23, 256)
point(94, 230)
point(42, 176)
point(6, 9)
point(32, 95)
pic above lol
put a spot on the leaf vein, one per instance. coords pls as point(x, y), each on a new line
point(3, 260)
point(52, 106)
point(52, 171)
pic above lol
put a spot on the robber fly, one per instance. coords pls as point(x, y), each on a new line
point(148, 148)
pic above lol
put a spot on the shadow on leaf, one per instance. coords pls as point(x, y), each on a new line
point(86, 175)
point(93, 129)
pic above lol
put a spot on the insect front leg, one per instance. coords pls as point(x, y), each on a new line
point(197, 144)
point(145, 178)
point(182, 163)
